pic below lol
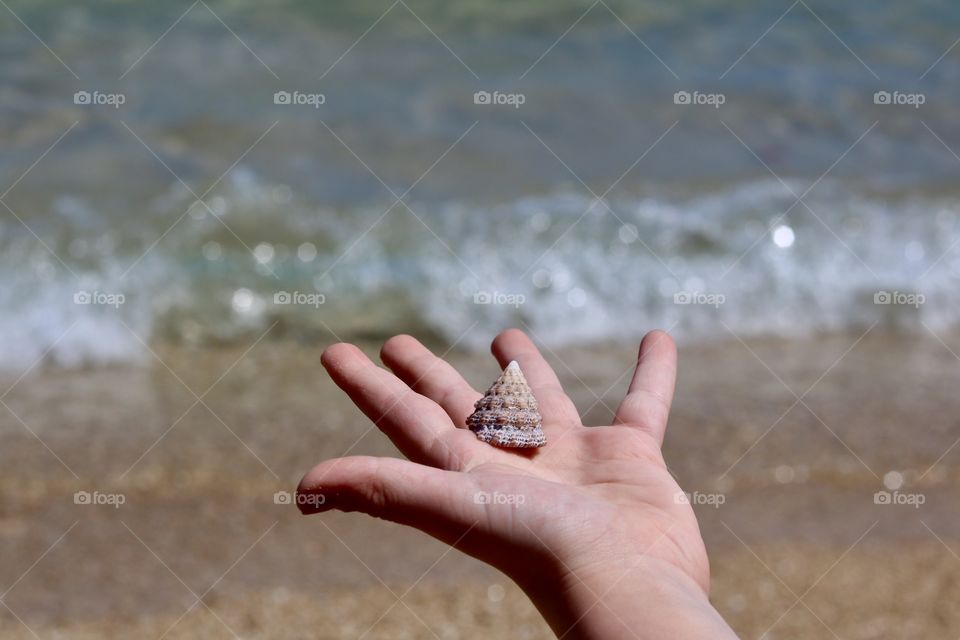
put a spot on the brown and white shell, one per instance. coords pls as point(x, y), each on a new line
point(508, 415)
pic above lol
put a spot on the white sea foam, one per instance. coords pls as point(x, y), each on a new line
point(568, 268)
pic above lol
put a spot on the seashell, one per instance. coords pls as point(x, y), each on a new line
point(508, 415)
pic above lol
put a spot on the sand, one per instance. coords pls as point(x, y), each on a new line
point(199, 517)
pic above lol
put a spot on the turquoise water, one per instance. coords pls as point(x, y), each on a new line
point(580, 206)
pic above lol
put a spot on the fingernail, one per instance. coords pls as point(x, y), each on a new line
point(310, 501)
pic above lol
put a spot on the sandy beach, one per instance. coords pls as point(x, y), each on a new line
point(239, 184)
point(198, 442)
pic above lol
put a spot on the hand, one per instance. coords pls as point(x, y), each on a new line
point(592, 526)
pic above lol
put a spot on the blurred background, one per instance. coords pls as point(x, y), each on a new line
point(198, 197)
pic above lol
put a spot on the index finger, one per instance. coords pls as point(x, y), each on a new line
point(415, 424)
point(430, 376)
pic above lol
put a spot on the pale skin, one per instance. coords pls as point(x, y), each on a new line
point(589, 526)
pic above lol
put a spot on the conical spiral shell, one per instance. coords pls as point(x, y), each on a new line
point(507, 415)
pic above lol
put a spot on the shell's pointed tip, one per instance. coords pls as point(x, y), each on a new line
point(514, 365)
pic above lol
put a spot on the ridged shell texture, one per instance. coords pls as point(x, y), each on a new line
point(507, 415)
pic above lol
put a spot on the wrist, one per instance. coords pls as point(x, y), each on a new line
point(639, 597)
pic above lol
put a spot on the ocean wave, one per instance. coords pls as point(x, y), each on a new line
point(746, 258)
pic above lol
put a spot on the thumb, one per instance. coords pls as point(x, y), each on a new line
point(436, 501)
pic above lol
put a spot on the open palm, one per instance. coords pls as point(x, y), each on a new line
point(591, 499)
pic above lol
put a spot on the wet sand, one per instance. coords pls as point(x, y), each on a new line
point(199, 519)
